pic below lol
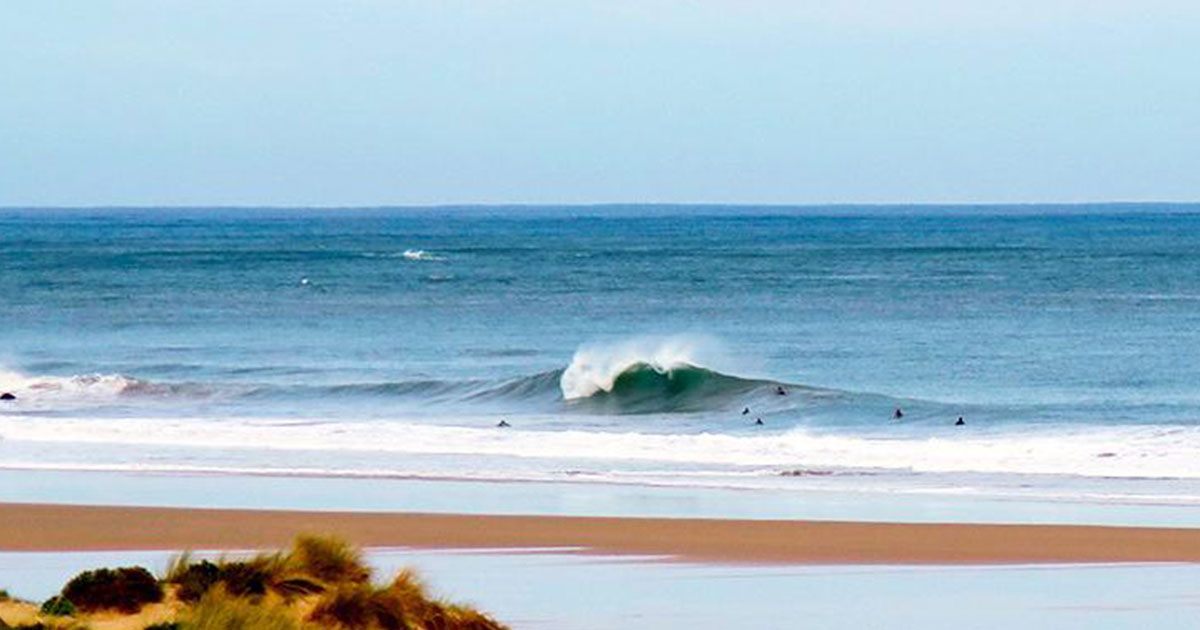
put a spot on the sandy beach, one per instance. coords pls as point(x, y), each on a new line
point(46, 527)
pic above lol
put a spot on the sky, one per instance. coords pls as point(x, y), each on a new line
point(395, 102)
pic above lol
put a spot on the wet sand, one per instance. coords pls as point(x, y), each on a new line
point(46, 527)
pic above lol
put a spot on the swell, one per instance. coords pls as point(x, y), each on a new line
point(539, 386)
point(639, 388)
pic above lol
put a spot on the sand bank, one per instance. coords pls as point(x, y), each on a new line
point(42, 527)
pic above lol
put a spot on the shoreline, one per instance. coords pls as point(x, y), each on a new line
point(39, 527)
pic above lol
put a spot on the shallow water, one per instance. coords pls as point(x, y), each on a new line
point(563, 591)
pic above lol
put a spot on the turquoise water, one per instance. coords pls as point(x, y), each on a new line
point(620, 344)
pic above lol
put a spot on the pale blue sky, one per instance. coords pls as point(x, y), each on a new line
point(377, 102)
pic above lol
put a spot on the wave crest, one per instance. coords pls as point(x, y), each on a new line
point(596, 369)
point(83, 386)
point(420, 254)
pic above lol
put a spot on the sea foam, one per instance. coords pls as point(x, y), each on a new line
point(1109, 452)
point(79, 385)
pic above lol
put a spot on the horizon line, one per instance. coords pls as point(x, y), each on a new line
point(1022, 205)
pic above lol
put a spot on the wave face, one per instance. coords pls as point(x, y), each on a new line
point(535, 388)
point(649, 388)
point(647, 376)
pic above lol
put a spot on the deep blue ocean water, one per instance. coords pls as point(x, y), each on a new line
point(619, 344)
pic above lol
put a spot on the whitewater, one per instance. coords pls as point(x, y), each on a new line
point(747, 348)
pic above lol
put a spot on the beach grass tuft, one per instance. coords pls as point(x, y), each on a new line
point(329, 559)
point(192, 580)
point(248, 578)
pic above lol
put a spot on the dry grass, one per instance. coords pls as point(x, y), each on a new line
point(404, 604)
point(221, 611)
point(330, 560)
point(354, 606)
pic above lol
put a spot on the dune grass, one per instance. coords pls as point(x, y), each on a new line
point(220, 611)
point(327, 559)
point(320, 583)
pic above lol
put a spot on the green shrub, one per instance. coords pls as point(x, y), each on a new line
point(126, 590)
point(4, 597)
point(58, 606)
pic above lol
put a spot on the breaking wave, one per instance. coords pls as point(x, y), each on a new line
point(649, 388)
point(420, 254)
point(415, 255)
point(648, 376)
point(88, 386)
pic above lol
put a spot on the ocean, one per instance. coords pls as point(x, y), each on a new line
point(617, 345)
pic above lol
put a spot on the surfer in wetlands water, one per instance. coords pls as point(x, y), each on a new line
point(899, 413)
point(960, 422)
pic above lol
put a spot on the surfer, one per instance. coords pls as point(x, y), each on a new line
point(780, 391)
point(503, 424)
point(746, 411)
point(758, 422)
point(898, 413)
point(960, 422)
point(8, 396)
